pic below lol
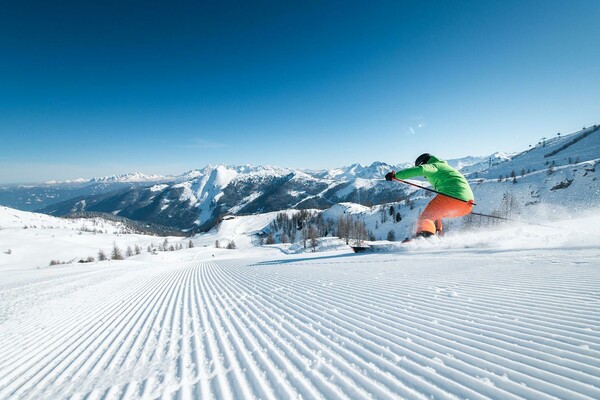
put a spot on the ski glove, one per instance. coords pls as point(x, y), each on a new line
point(390, 176)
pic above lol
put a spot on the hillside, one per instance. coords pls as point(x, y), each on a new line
point(559, 151)
point(31, 240)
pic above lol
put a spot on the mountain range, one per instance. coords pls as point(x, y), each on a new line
point(194, 201)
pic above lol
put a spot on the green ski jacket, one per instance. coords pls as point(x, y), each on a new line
point(442, 177)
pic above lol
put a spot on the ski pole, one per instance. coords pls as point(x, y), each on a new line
point(513, 220)
point(471, 202)
point(492, 216)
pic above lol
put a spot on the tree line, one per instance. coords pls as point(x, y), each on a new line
point(117, 253)
point(307, 226)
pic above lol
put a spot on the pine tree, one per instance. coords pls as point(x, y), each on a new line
point(346, 227)
point(270, 239)
point(190, 244)
point(509, 206)
point(304, 235)
point(312, 236)
point(360, 233)
point(342, 228)
point(116, 252)
point(391, 236)
point(137, 250)
point(101, 255)
point(129, 251)
point(384, 216)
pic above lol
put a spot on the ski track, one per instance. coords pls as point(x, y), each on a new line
point(347, 327)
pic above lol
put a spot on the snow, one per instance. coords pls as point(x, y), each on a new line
point(164, 204)
point(207, 189)
point(34, 240)
point(511, 312)
point(376, 170)
point(339, 209)
point(244, 202)
point(130, 177)
point(585, 147)
point(504, 311)
point(356, 185)
point(68, 181)
point(158, 188)
point(474, 164)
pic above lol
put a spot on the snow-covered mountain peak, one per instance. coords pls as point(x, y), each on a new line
point(222, 175)
point(129, 177)
point(189, 175)
point(263, 170)
point(376, 170)
point(67, 182)
point(302, 176)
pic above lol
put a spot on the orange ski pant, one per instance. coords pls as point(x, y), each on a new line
point(442, 207)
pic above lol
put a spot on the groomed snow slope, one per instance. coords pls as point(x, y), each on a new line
point(428, 320)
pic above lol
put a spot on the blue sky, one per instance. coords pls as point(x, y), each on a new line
point(98, 88)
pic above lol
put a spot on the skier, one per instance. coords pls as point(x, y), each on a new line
point(456, 201)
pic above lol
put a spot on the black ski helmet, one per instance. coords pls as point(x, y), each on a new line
point(422, 159)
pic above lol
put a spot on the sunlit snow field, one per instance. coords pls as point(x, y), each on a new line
point(508, 313)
